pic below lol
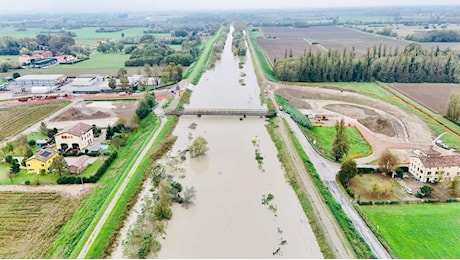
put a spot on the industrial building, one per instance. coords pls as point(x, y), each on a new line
point(49, 80)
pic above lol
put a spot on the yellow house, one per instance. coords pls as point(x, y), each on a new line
point(41, 160)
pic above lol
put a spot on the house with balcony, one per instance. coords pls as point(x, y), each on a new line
point(41, 161)
point(75, 138)
point(435, 168)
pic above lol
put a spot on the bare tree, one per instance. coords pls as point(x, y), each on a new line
point(387, 162)
point(189, 196)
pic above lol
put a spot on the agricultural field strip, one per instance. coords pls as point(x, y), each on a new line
point(16, 119)
point(25, 217)
point(432, 96)
point(119, 191)
point(428, 115)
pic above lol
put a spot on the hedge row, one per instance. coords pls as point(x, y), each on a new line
point(94, 178)
point(295, 114)
point(393, 202)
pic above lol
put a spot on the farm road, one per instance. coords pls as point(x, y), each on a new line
point(327, 171)
point(109, 209)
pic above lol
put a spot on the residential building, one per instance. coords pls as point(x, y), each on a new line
point(41, 161)
point(435, 168)
point(77, 138)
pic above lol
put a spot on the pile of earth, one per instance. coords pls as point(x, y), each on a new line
point(367, 117)
point(75, 114)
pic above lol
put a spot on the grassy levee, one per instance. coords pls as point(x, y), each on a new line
point(284, 158)
point(73, 234)
point(266, 67)
point(408, 232)
point(109, 232)
point(123, 172)
point(197, 69)
point(360, 247)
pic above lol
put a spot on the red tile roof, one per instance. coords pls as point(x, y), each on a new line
point(77, 130)
point(441, 161)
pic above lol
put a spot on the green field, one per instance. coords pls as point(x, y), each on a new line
point(325, 137)
point(86, 35)
point(98, 60)
point(418, 231)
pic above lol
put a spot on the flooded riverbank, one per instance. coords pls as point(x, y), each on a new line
point(228, 219)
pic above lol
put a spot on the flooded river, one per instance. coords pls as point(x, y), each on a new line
point(228, 219)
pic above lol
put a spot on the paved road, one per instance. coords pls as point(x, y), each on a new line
point(327, 171)
point(120, 191)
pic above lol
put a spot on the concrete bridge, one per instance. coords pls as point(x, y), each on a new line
point(220, 112)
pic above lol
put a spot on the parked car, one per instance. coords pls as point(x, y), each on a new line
point(409, 191)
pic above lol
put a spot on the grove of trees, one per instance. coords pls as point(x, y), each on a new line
point(341, 145)
point(453, 106)
point(412, 65)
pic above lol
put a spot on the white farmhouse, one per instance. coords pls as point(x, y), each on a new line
point(76, 138)
point(435, 168)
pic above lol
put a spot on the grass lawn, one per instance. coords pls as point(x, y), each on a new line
point(36, 135)
point(325, 137)
point(418, 231)
point(4, 170)
point(23, 176)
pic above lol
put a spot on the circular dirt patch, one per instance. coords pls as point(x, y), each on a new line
point(378, 125)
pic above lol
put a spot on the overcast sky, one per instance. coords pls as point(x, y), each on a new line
point(48, 6)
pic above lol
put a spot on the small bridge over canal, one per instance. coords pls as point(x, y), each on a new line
point(220, 112)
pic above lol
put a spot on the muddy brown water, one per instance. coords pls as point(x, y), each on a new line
point(228, 219)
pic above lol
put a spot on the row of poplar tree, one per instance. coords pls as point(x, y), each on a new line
point(412, 65)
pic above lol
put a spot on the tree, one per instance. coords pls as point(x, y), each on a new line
point(59, 165)
point(124, 82)
point(189, 196)
point(122, 72)
point(16, 75)
point(341, 145)
point(143, 110)
point(162, 209)
point(453, 106)
point(453, 185)
point(43, 128)
point(348, 170)
point(15, 167)
point(198, 147)
point(112, 83)
point(424, 191)
point(387, 162)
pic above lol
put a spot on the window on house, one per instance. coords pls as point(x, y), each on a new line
point(448, 173)
point(28, 164)
point(43, 164)
point(428, 173)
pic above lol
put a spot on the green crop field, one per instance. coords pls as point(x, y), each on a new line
point(16, 119)
point(325, 137)
point(30, 222)
point(418, 231)
point(98, 60)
